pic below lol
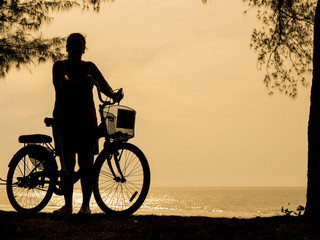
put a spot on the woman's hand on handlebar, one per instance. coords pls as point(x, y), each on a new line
point(115, 96)
point(118, 96)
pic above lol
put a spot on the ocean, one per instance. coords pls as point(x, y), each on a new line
point(239, 202)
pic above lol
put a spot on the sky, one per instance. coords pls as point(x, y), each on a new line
point(204, 117)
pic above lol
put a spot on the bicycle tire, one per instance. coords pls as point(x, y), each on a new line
point(31, 178)
point(121, 198)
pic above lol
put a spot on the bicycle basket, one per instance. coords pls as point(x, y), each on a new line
point(120, 121)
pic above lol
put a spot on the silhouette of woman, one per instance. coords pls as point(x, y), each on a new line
point(75, 116)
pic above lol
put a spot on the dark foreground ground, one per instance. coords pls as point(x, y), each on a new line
point(98, 226)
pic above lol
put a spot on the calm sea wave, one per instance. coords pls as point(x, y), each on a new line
point(229, 202)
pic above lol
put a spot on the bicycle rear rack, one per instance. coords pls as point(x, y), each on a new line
point(3, 182)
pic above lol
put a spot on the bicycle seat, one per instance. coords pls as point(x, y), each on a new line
point(35, 138)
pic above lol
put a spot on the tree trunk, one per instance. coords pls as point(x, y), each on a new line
point(313, 190)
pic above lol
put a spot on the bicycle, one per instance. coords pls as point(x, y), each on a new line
point(120, 174)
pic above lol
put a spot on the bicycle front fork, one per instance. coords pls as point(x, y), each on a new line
point(117, 157)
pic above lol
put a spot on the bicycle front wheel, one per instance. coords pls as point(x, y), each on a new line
point(122, 179)
point(31, 179)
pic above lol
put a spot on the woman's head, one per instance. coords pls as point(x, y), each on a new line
point(76, 44)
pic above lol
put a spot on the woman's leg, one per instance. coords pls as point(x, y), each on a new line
point(67, 182)
point(85, 160)
point(70, 162)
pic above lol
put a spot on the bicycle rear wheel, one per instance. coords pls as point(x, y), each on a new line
point(122, 189)
point(31, 179)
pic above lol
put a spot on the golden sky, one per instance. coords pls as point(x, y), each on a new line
point(204, 117)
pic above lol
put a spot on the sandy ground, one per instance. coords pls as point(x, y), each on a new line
point(99, 226)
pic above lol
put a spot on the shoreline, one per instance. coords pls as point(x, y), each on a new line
point(193, 201)
point(14, 225)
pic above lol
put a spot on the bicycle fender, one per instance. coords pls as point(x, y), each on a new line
point(37, 149)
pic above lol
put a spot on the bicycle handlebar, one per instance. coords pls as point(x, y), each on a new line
point(117, 99)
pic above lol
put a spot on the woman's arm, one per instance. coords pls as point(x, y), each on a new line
point(103, 84)
point(59, 75)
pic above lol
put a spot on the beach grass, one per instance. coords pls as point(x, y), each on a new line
point(99, 226)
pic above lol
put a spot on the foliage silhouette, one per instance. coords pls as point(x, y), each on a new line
point(284, 42)
point(21, 42)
